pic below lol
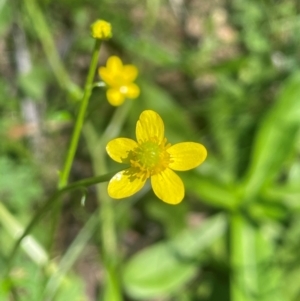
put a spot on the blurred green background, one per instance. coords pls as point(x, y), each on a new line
point(221, 73)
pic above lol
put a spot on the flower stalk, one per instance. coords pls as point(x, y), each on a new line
point(96, 146)
point(64, 176)
point(47, 205)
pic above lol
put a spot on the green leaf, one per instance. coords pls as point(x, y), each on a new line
point(269, 274)
point(275, 138)
point(264, 210)
point(165, 267)
point(61, 115)
point(288, 256)
point(254, 274)
point(173, 218)
point(210, 191)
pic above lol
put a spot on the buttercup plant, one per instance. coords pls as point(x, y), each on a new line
point(151, 156)
point(127, 234)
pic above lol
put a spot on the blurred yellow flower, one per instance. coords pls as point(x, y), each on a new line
point(101, 30)
point(152, 157)
point(120, 81)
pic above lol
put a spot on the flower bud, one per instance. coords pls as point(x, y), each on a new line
point(101, 30)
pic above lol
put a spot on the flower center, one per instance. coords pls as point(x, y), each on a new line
point(150, 158)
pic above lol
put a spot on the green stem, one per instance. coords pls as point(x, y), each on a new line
point(50, 202)
point(80, 118)
point(58, 278)
point(96, 146)
point(34, 250)
point(63, 79)
point(97, 149)
point(243, 259)
point(236, 259)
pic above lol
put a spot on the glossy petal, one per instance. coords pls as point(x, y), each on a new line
point(186, 155)
point(168, 186)
point(149, 125)
point(106, 76)
point(130, 73)
point(115, 97)
point(114, 65)
point(133, 91)
point(119, 148)
point(124, 184)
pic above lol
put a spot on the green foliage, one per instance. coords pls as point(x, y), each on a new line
point(277, 134)
point(5, 17)
point(19, 185)
point(30, 280)
point(33, 84)
point(165, 267)
point(224, 74)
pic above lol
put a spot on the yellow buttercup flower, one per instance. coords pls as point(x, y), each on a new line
point(151, 156)
point(101, 30)
point(120, 81)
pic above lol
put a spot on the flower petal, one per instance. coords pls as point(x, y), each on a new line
point(133, 91)
point(130, 73)
point(149, 125)
point(119, 148)
point(106, 76)
point(115, 97)
point(168, 186)
point(186, 155)
point(114, 64)
point(124, 184)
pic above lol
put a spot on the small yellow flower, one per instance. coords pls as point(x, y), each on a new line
point(101, 30)
point(152, 157)
point(120, 81)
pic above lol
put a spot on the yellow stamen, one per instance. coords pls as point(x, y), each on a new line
point(150, 158)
